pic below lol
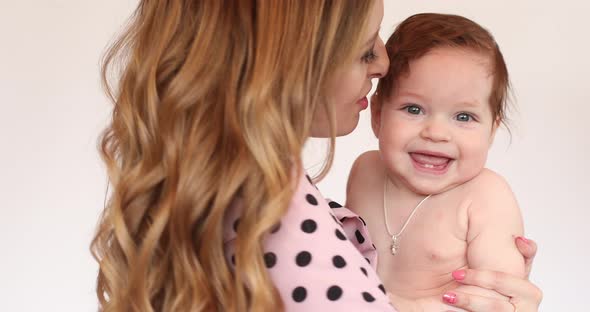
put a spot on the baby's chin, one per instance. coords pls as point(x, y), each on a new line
point(426, 189)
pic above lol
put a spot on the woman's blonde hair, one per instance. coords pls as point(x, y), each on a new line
point(213, 101)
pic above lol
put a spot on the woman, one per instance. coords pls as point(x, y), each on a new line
point(210, 206)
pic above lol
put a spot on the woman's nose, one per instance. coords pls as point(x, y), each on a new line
point(380, 66)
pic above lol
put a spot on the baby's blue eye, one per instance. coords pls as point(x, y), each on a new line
point(413, 109)
point(464, 117)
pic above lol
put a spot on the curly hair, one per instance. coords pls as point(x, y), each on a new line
point(213, 101)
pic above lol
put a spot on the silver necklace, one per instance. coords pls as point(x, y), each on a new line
point(395, 237)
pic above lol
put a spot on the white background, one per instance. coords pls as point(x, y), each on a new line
point(52, 182)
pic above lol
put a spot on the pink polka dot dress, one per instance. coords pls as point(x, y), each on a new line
point(320, 257)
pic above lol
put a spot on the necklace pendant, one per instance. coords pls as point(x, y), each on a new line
point(394, 245)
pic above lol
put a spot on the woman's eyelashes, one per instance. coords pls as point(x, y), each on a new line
point(369, 56)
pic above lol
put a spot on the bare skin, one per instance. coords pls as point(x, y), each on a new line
point(436, 242)
point(523, 294)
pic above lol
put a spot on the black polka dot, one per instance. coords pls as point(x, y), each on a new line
point(299, 294)
point(334, 204)
point(359, 236)
point(236, 224)
point(303, 258)
point(342, 220)
point(233, 259)
point(368, 297)
point(374, 247)
point(311, 199)
point(369, 261)
point(334, 293)
point(270, 259)
point(340, 235)
point(364, 271)
point(382, 288)
point(338, 262)
point(276, 228)
point(309, 226)
point(363, 220)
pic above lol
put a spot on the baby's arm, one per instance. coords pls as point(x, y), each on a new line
point(494, 221)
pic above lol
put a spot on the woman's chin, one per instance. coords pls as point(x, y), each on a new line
point(346, 130)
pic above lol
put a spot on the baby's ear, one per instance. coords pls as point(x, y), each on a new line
point(376, 114)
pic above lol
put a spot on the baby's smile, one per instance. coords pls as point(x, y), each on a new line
point(431, 162)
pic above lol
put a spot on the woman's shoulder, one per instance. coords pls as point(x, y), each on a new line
point(321, 238)
point(321, 256)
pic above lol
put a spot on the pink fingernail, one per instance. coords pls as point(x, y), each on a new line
point(450, 297)
point(523, 239)
point(459, 275)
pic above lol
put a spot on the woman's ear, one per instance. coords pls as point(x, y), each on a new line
point(375, 114)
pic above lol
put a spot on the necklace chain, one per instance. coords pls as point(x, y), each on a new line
point(395, 237)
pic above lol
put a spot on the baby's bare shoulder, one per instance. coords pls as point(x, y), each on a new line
point(487, 183)
point(366, 166)
point(490, 193)
point(367, 158)
point(365, 179)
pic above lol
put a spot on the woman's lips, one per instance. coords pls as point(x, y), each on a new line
point(430, 162)
point(364, 103)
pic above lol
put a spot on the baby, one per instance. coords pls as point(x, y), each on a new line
point(430, 205)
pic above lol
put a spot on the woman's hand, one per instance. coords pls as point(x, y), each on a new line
point(427, 304)
point(524, 295)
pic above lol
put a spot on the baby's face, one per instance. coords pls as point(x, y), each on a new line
point(435, 131)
